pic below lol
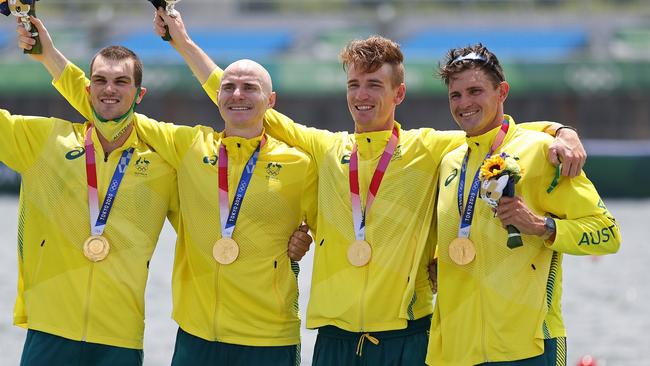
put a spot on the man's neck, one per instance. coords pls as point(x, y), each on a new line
point(110, 146)
point(247, 133)
point(495, 123)
point(375, 128)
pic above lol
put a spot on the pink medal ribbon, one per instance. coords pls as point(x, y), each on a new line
point(97, 247)
point(91, 178)
point(467, 215)
point(99, 218)
point(228, 215)
point(359, 215)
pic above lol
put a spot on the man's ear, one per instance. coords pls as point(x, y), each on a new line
point(141, 94)
point(504, 88)
point(272, 100)
point(401, 94)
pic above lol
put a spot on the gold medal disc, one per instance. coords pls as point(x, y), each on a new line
point(359, 253)
point(225, 250)
point(462, 251)
point(96, 248)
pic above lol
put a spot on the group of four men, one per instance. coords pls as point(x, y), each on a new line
point(236, 196)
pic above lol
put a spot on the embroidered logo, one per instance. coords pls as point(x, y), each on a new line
point(451, 176)
point(142, 166)
point(345, 159)
point(273, 170)
point(75, 153)
point(212, 159)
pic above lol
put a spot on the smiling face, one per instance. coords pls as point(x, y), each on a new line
point(112, 87)
point(372, 98)
point(475, 102)
point(244, 96)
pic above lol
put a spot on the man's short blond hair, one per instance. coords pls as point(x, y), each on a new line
point(370, 54)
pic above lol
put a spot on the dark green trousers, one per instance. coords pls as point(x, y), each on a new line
point(554, 355)
point(404, 347)
point(44, 349)
point(194, 351)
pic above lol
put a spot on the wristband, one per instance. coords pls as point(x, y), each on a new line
point(564, 126)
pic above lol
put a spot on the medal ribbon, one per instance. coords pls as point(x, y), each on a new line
point(466, 218)
point(359, 215)
point(228, 222)
point(99, 218)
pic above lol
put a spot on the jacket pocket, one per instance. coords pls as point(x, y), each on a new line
point(285, 285)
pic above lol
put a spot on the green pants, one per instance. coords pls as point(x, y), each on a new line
point(554, 355)
point(195, 351)
point(44, 349)
point(404, 347)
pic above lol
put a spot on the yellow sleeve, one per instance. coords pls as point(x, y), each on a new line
point(547, 127)
point(584, 226)
point(313, 141)
point(72, 86)
point(211, 86)
point(432, 239)
point(170, 141)
point(173, 210)
point(22, 139)
point(309, 201)
point(440, 143)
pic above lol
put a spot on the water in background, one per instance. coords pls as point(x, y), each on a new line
point(605, 298)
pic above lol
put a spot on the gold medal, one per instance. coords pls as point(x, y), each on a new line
point(462, 251)
point(225, 250)
point(96, 248)
point(359, 253)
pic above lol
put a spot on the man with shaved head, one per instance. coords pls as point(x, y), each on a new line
point(242, 194)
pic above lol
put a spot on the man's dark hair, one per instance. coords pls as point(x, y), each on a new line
point(471, 57)
point(119, 53)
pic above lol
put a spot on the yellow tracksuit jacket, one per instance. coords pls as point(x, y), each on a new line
point(59, 290)
point(502, 306)
point(394, 286)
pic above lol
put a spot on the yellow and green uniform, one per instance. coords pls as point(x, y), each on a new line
point(252, 301)
point(506, 302)
point(60, 291)
point(393, 288)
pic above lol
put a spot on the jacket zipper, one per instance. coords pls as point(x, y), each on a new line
point(216, 300)
point(363, 297)
point(87, 307)
point(483, 323)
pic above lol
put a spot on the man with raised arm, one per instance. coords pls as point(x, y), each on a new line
point(242, 194)
point(499, 291)
point(93, 200)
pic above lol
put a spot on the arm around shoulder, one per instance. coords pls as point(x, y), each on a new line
point(311, 140)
